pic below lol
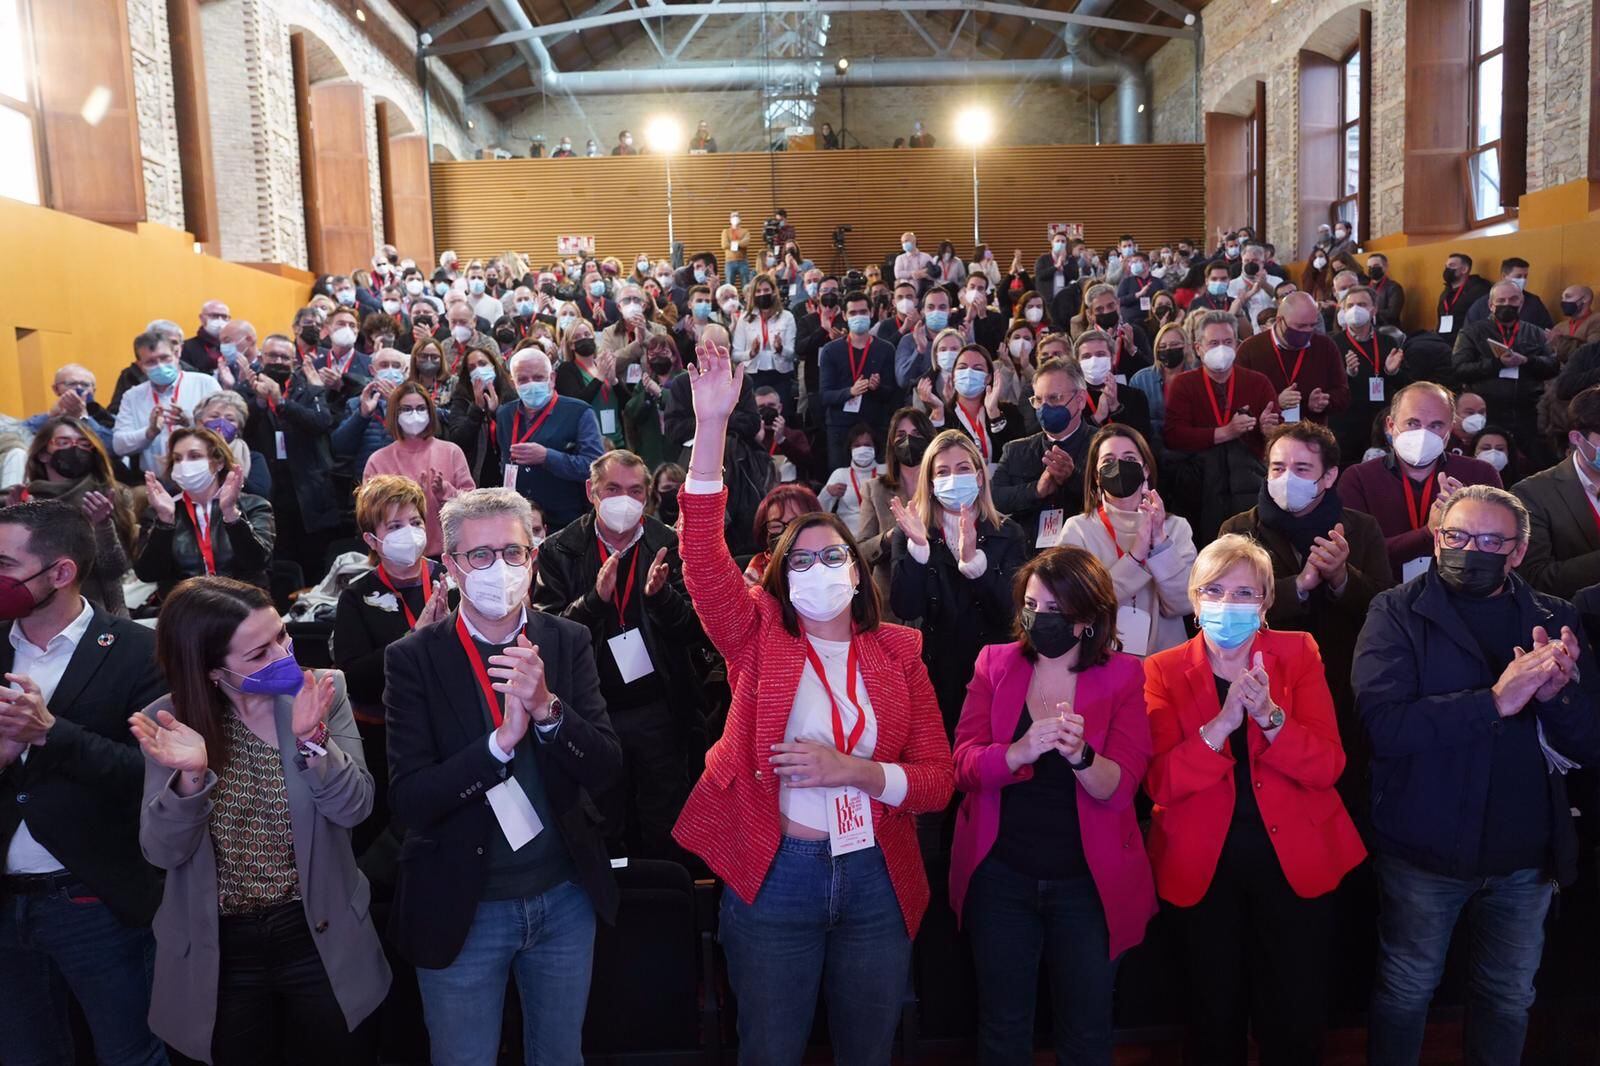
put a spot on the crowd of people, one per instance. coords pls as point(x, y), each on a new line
point(1108, 584)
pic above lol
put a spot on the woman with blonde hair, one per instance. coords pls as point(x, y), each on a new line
point(1174, 352)
point(953, 558)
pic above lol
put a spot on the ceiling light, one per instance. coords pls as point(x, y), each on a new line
point(842, 65)
point(974, 126)
point(1141, 109)
point(469, 124)
point(663, 134)
point(361, 16)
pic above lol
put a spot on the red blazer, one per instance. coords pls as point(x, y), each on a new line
point(1316, 842)
point(1190, 419)
point(1111, 699)
point(1323, 369)
point(731, 817)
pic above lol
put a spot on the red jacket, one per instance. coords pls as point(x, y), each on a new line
point(1191, 420)
point(1321, 367)
point(731, 817)
point(1193, 786)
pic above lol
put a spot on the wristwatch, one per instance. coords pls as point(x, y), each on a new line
point(1086, 761)
point(1275, 719)
point(554, 720)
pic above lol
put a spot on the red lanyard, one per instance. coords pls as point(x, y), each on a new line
point(1450, 304)
point(1211, 394)
point(1088, 401)
point(1572, 324)
point(1418, 515)
point(343, 367)
point(1105, 521)
point(461, 353)
point(427, 592)
point(517, 436)
point(1116, 356)
point(765, 342)
point(620, 602)
point(1515, 329)
point(497, 713)
point(980, 432)
point(845, 745)
point(206, 538)
point(857, 369)
point(1288, 378)
point(856, 485)
point(1377, 353)
point(172, 397)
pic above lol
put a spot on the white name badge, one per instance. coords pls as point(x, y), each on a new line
point(733, 246)
point(1144, 303)
point(849, 820)
point(635, 374)
point(1291, 414)
point(512, 809)
point(1050, 523)
point(1511, 372)
point(1447, 323)
point(510, 476)
point(1133, 629)
point(1415, 568)
point(630, 655)
point(608, 421)
point(1375, 390)
point(1121, 379)
point(282, 446)
point(852, 405)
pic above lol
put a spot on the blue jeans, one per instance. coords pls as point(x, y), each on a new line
point(1416, 913)
point(738, 273)
point(1013, 921)
point(547, 942)
point(65, 940)
point(818, 922)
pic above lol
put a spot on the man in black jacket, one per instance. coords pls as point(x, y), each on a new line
point(202, 351)
point(616, 571)
point(76, 897)
point(498, 736)
point(1039, 481)
point(1478, 694)
point(1462, 289)
point(1508, 361)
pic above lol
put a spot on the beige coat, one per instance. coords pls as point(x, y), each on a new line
point(1160, 588)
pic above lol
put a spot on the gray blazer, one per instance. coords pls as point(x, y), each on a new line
point(325, 803)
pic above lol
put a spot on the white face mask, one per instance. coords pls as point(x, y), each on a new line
point(193, 475)
point(462, 334)
point(213, 327)
point(1474, 423)
point(413, 422)
point(863, 456)
point(1355, 317)
point(905, 305)
point(1034, 314)
point(1292, 492)
point(403, 547)
point(1418, 447)
point(619, 513)
point(1219, 359)
point(1020, 346)
point(823, 592)
point(343, 337)
point(1495, 457)
point(1096, 368)
point(414, 287)
point(499, 590)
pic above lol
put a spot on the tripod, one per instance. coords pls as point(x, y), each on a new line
point(841, 259)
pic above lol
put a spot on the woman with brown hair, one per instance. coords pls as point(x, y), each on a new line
point(910, 433)
point(774, 513)
point(427, 370)
point(1047, 860)
point(254, 777)
point(209, 525)
point(66, 461)
point(421, 455)
point(482, 385)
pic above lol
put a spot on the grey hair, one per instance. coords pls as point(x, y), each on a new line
point(393, 353)
point(1351, 274)
point(1069, 367)
point(1505, 285)
point(163, 326)
point(1218, 318)
point(522, 354)
point(482, 503)
point(1497, 496)
point(1096, 291)
point(227, 398)
point(1358, 290)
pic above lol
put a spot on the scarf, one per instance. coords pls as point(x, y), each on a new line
point(1300, 530)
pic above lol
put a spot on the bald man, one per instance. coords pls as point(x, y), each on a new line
point(1579, 324)
point(74, 387)
point(1304, 365)
point(547, 441)
point(203, 351)
point(238, 343)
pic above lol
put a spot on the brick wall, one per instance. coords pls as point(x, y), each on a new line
point(151, 51)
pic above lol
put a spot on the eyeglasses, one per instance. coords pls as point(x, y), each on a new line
point(1485, 542)
point(834, 555)
point(1218, 594)
point(61, 444)
point(483, 558)
point(1053, 398)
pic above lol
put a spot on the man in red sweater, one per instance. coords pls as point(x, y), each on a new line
point(1219, 402)
point(1402, 489)
point(1304, 366)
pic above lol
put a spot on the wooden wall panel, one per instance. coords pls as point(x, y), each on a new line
point(344, 192)
point(1321, 151)
point(192, 111)
point(1438, 64)
point(412, 231)
point(1155, 192)
point(1227, 162)
point(81, 48)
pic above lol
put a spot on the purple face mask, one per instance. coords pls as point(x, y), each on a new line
point(1297, 338)
point(281, 677)
point(222, 428)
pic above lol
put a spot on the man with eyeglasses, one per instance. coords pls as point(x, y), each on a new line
point(497, 729)
point(1562, 502)
point(74, 388)
point(616, 571)
point(1478, 694)
point(1039, 480)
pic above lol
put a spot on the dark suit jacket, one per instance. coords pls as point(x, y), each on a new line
point(201, 353)
point(440, 767)
point(1017, 475)
point(836, 379)
point(608, 306)
point(80, 791)
point(1564, 546)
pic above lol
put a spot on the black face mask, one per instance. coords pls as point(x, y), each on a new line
point(1171, 358)
point(1162, 313)
point(1252, 269)
point(584, 347)
point(548, 288)
point(909, 450)
point(765, 301)
point(667, 508)
point(71, 463)
point(1570, 308)
point(1050, 634)
point(1123, 480)
point(277, 372)
point(1471, 573)
point(1449, 276)
point(310, 335)
point(661, 365)
point(829, 299)
point(1506, 314)
point(1375, 272)
point(506, 337)
point(425, 323)
point(1107, 320)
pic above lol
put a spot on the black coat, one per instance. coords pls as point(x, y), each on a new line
point(201, 353)
point(361, 634)
point(467, 427)
point(1016, 478)
point(305, 416)
point(169, 554)
point(82, 791)
point(440, 766)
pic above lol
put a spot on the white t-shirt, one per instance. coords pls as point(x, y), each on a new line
point(850, 505)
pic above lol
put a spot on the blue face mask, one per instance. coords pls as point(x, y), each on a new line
point(908, 246)
point(955, 491)
point(811, 288)
point(1229, 624)
point(947, 359)
point(1217, 288)
point(700, 275)
point(525, 308)
point(564, 322)
point(1054, 417)
point(936, 320)
point(391, 374)
point(597, 288)
point(476, 286)
point(702, 310)
point(483, 374)
point(163, 374)
point(970, 381)
point(441, 287)
point(858, 324)
point(534, 393)
point(230, 351)
point(346, 297)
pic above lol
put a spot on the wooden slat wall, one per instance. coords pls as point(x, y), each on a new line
point(1155, 192)
point(339, 136)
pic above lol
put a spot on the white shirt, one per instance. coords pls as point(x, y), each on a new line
point(848, 506)
point(44, 666)
point(1587, 476)
point(489, 308)
point(776, 349)
point(13, 467)
point(133, 417)
point(971, 569)
point(811, 718)
point(1257, 303)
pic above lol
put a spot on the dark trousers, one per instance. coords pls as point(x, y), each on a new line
point(642, 806)
point(274, 1002)
point(1258, 957)
point(63, 943)
point(1014, 921)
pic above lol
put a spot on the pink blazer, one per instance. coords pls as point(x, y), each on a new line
point(1111, 699)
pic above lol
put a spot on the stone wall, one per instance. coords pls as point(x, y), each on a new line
point(1172, 94)
point(1387, 165)
point(1558, 91)
point(151, 51)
